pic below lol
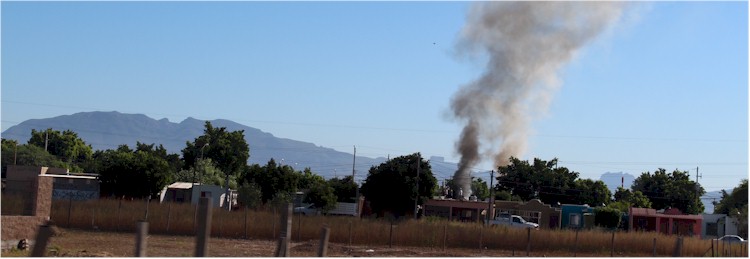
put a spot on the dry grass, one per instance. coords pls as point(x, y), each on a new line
point(178, 219)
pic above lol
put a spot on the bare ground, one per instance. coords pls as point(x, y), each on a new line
point(84, 243)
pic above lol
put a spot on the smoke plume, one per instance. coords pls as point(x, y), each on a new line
point(525, 43)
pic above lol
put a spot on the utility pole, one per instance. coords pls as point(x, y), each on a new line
point(697, 189)
point(489, 209)
point(46, 139)
point(416, 198)
point(354, 162)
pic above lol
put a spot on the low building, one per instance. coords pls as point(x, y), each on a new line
point(718, 225)
point(65, 184)
point(534, 210)
point(192, 192)
point(575, 216)
point(459, 210)
point(669, 222)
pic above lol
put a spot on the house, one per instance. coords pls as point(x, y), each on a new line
point(669, 222)
point(532, 211)
point(459, 210)
point(192, 192)
point(718, 225)
point(575, 216)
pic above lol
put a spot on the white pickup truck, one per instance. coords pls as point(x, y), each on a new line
point(513, 221)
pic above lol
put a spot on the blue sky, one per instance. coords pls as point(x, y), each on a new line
point(666, 87)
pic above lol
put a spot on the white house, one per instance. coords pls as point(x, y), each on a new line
point(191, 192)
point(718, 225)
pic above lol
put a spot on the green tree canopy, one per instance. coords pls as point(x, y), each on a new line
point(276, 182)
point(30, 155)
point(673, 189)
point(735, 205)
point(542, 179)
point(65, 145)
point(135, 174)
point(594, 193)
point(392, 185)
point(228, 150)
point(345, 189)
point(631, 199)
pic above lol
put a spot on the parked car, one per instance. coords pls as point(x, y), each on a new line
point(307, 210)
point(513, 221)
point(732, 239)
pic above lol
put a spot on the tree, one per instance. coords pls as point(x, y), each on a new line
point(276, 182)
point(249, 195)
point(594, 193)
point(673, 189)
point(29, 155)
point(607, 217)
point(228, 150)
point(321, 195)
point(735, 205)
point(542, 180)
point(135, 174)
point(345, 189)
point(631, 199)
point(65, 145)
point(392, 185)
point(204, 171)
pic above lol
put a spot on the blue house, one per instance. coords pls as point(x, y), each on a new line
point(576, 216)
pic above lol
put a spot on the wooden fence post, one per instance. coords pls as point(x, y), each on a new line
point(43, 236)
point(528, 241)
point(286, 230)
point(70, 207)
point(677, 248)
point(204, 227)
point(481, 235)
point(119, 208)
point(575, 246)
point(323, 249)
point(141, 234)
point(612, 251)
point(712, 248)
point(169, 215)
point(390, 236)
point(350, 234)
point(245, 223)
point(654, 255)
point(445, 235)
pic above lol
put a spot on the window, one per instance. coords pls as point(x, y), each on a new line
point(575, 219)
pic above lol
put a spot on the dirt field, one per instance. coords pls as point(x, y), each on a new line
point(80, 243)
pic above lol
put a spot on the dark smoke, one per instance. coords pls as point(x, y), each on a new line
point(526, 44)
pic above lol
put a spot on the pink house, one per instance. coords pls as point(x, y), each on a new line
point(670, 222)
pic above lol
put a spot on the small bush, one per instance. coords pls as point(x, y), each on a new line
point(607, 217)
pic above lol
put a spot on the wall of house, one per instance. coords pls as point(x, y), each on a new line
point(15, 228)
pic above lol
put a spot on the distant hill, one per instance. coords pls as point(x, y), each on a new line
point(107, 130)
point(614, 180)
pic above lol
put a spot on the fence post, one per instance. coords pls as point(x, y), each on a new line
point(92, 217)
point(528, 241)
point(70, 207)
point(299, 228)
point(612, 252)
point(245, 222)
point(655, 247)
point(286, 230)
point(273, 223)
point(390, 236)
point(119, 208)
point(323, 249)
point(169, 214)
point(575, 246)
point(445, 235)
point(677, 248)
point(140, 238)
point(42, 239)
point(350, 234)
point(204, 227)
point(481, 235)
point(712, 248)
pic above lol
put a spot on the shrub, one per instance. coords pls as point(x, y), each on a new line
point(607, 217)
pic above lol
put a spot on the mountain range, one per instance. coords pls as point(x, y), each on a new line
point(108, 130)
